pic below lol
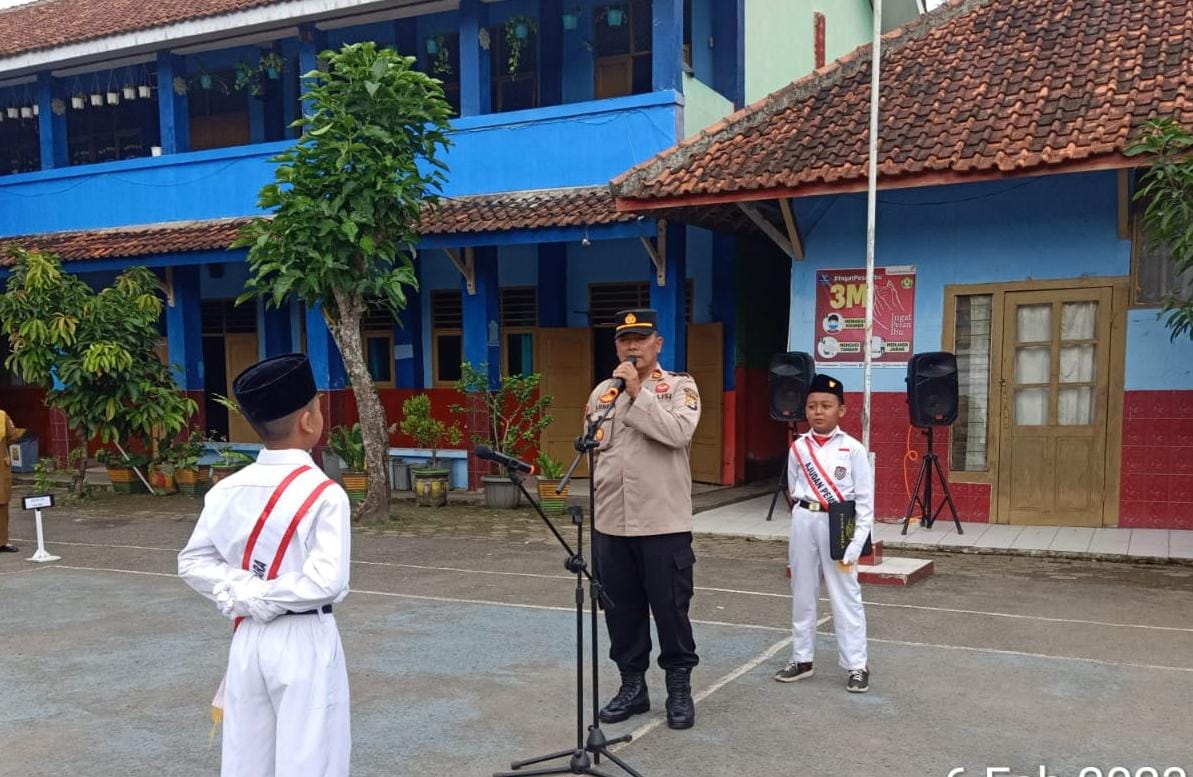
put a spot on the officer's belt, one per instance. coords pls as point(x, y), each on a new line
point(325, 609)
point(812, 507)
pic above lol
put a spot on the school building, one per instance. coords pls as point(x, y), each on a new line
point(1007, 232)
point(141, 135)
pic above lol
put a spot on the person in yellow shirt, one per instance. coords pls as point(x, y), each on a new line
point(10, 434)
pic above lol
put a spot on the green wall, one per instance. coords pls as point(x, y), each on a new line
point(779, 39)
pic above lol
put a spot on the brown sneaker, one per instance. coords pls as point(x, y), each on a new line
point(794, 671)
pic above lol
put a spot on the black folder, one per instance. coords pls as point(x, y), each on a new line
point(842, 523)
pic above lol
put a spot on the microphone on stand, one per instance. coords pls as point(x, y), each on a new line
point(509, 462)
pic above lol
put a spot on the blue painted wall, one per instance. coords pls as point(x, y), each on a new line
point(546, 148)
point(1039, 228)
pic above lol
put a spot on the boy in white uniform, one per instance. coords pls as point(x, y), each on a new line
point(271, 549)
point(824, 466)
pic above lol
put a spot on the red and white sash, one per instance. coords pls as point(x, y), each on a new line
point(274, 535)
point(815, 474)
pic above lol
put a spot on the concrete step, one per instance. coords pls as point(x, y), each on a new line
point(875, 558)
point(891, 571)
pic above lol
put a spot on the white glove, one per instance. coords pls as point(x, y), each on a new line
point(243, 600)
point(852, 553)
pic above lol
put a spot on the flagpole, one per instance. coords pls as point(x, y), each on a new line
point(871, 208)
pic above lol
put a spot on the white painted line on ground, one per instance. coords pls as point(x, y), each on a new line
point(749, 666)
point(1022, 654)
point(23, 570)
point(966, 648)
point(736, 591)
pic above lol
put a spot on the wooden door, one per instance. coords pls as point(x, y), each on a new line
point(1054, 406)
point(565, 362)
point(706, 360)
point(240, 352)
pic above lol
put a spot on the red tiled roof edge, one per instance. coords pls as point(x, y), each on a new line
point(48, 24)
point(762, 109)
point(543, 209)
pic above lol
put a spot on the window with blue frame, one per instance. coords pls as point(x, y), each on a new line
point(519, 320)
point(622, 46)
point(20, 144)
point(119, 122)
point(219, 113)
point(377, 333)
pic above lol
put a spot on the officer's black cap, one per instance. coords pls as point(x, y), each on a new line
point(827, 384)
point(643, 321)
point(275, 388)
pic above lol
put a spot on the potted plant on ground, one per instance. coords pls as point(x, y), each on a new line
point(516, 418)
point(121, 470)
point(550, 470)
point(431, 483)
point(191, 478)
point(161, 473)
point(348, 444)
point(229, 462)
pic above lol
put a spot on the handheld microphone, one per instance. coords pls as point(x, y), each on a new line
point(619, 383)
point(509, 462)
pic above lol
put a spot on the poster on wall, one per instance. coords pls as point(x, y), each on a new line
point(841, 315)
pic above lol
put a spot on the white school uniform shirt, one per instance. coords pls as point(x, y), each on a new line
point(314, 569)
point(841, 468)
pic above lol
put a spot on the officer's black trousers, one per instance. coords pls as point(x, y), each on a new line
point(644, 576)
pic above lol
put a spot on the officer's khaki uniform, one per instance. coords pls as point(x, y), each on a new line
point(643, 483)
point(8, 434)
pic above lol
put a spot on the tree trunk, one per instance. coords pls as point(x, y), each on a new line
point(346, 332)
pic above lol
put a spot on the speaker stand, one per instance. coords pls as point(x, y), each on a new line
point(792, 433)
point(930, 465)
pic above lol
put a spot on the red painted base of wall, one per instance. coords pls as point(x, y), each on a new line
point(1157, 463)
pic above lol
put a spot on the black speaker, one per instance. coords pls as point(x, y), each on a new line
point(932, 392)
point(790, 374)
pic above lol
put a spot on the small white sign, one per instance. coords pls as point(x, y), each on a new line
point(39, 502)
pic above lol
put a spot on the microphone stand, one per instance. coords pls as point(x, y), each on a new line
point(587, 753)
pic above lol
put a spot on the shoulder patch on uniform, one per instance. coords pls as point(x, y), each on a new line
point(691, 399)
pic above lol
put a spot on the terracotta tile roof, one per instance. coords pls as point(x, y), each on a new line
point(977, 88)
point(46, 24)
point(589, 206)
point(122, 242)
point(585, 206)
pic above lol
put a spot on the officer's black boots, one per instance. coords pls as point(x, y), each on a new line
point(631, 699)
point(681, 710)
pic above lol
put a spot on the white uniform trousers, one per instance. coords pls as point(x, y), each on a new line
point(808, 553)
point(286, 700)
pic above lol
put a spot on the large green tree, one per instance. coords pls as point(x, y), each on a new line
point(346, 202)
point(95, 353)
point(1166, 189)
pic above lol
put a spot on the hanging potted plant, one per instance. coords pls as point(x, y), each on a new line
point(431, 483)
point(78, 101)
point(58, 106)
point(349, 445)
point(272, 65)
point(613, 15)
point(517, 416)
point(571, 18)
point(144, 90)
point(248, 76)
point(550, 470)
point(180, 86)
point(441, 64)
point(518, 30)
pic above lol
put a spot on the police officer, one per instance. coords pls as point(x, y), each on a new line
point(643, 483)
point(8, 434)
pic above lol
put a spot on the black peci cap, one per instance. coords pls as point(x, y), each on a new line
point(827, 384)
point(275, 388)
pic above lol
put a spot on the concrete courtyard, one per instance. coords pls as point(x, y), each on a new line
point(460, 646)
